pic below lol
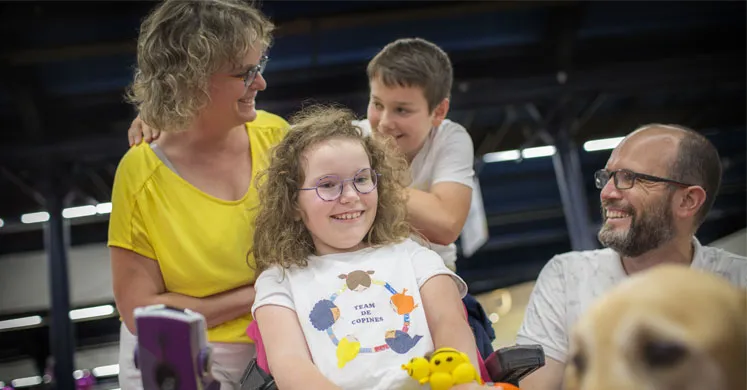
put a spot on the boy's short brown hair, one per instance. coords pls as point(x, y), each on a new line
point(414, 62)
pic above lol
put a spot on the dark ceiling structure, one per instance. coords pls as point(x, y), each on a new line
point(527, 74)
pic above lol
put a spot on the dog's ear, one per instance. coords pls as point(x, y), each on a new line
point(741, 380)
point(576, 365)
point(743, 317)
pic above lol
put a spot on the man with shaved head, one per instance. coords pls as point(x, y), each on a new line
point(656, 190)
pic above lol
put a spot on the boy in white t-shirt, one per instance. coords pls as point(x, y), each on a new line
point(344, 297)
point(410, 83)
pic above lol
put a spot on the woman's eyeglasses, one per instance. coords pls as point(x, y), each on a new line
point(251, 74)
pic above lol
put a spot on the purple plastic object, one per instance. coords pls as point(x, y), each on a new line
point(203, 361)
point(172, 350)
point(85, 382)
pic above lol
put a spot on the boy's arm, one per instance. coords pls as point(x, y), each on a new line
point(440, 214)
point(287, 352)
point(446, 316)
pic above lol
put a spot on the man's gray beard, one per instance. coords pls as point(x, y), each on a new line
point(655, 228)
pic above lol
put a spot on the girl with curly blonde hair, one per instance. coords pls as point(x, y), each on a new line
point(345, 297)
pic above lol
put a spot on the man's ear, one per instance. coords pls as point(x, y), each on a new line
point(691, 201)
point(439, 113)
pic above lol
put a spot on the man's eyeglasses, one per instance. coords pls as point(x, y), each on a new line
point(330, 187)
point(251, 74)
point(625, 179)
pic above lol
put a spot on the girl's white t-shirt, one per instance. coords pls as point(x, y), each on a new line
point(361, 312)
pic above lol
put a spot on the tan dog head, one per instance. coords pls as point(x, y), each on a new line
point(669, 328)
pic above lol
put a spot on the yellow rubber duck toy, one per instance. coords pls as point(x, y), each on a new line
point(447, 367)
point(418, 368)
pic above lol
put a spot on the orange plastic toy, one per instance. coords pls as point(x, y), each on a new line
point(506, 386)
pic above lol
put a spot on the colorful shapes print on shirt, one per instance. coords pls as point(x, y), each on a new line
point(400, 341)
point(326, 313)
point(357, 280)
point(347, 350)
point(403, 304)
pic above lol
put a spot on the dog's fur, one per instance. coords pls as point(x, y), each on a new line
point(668, 328)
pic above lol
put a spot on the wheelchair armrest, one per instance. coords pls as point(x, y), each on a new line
point(255, 378)
point(511, 364)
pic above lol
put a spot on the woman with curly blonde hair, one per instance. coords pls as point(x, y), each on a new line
point(345, 297)
point(183, 206)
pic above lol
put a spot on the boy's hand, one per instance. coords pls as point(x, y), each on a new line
point(139, 131)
